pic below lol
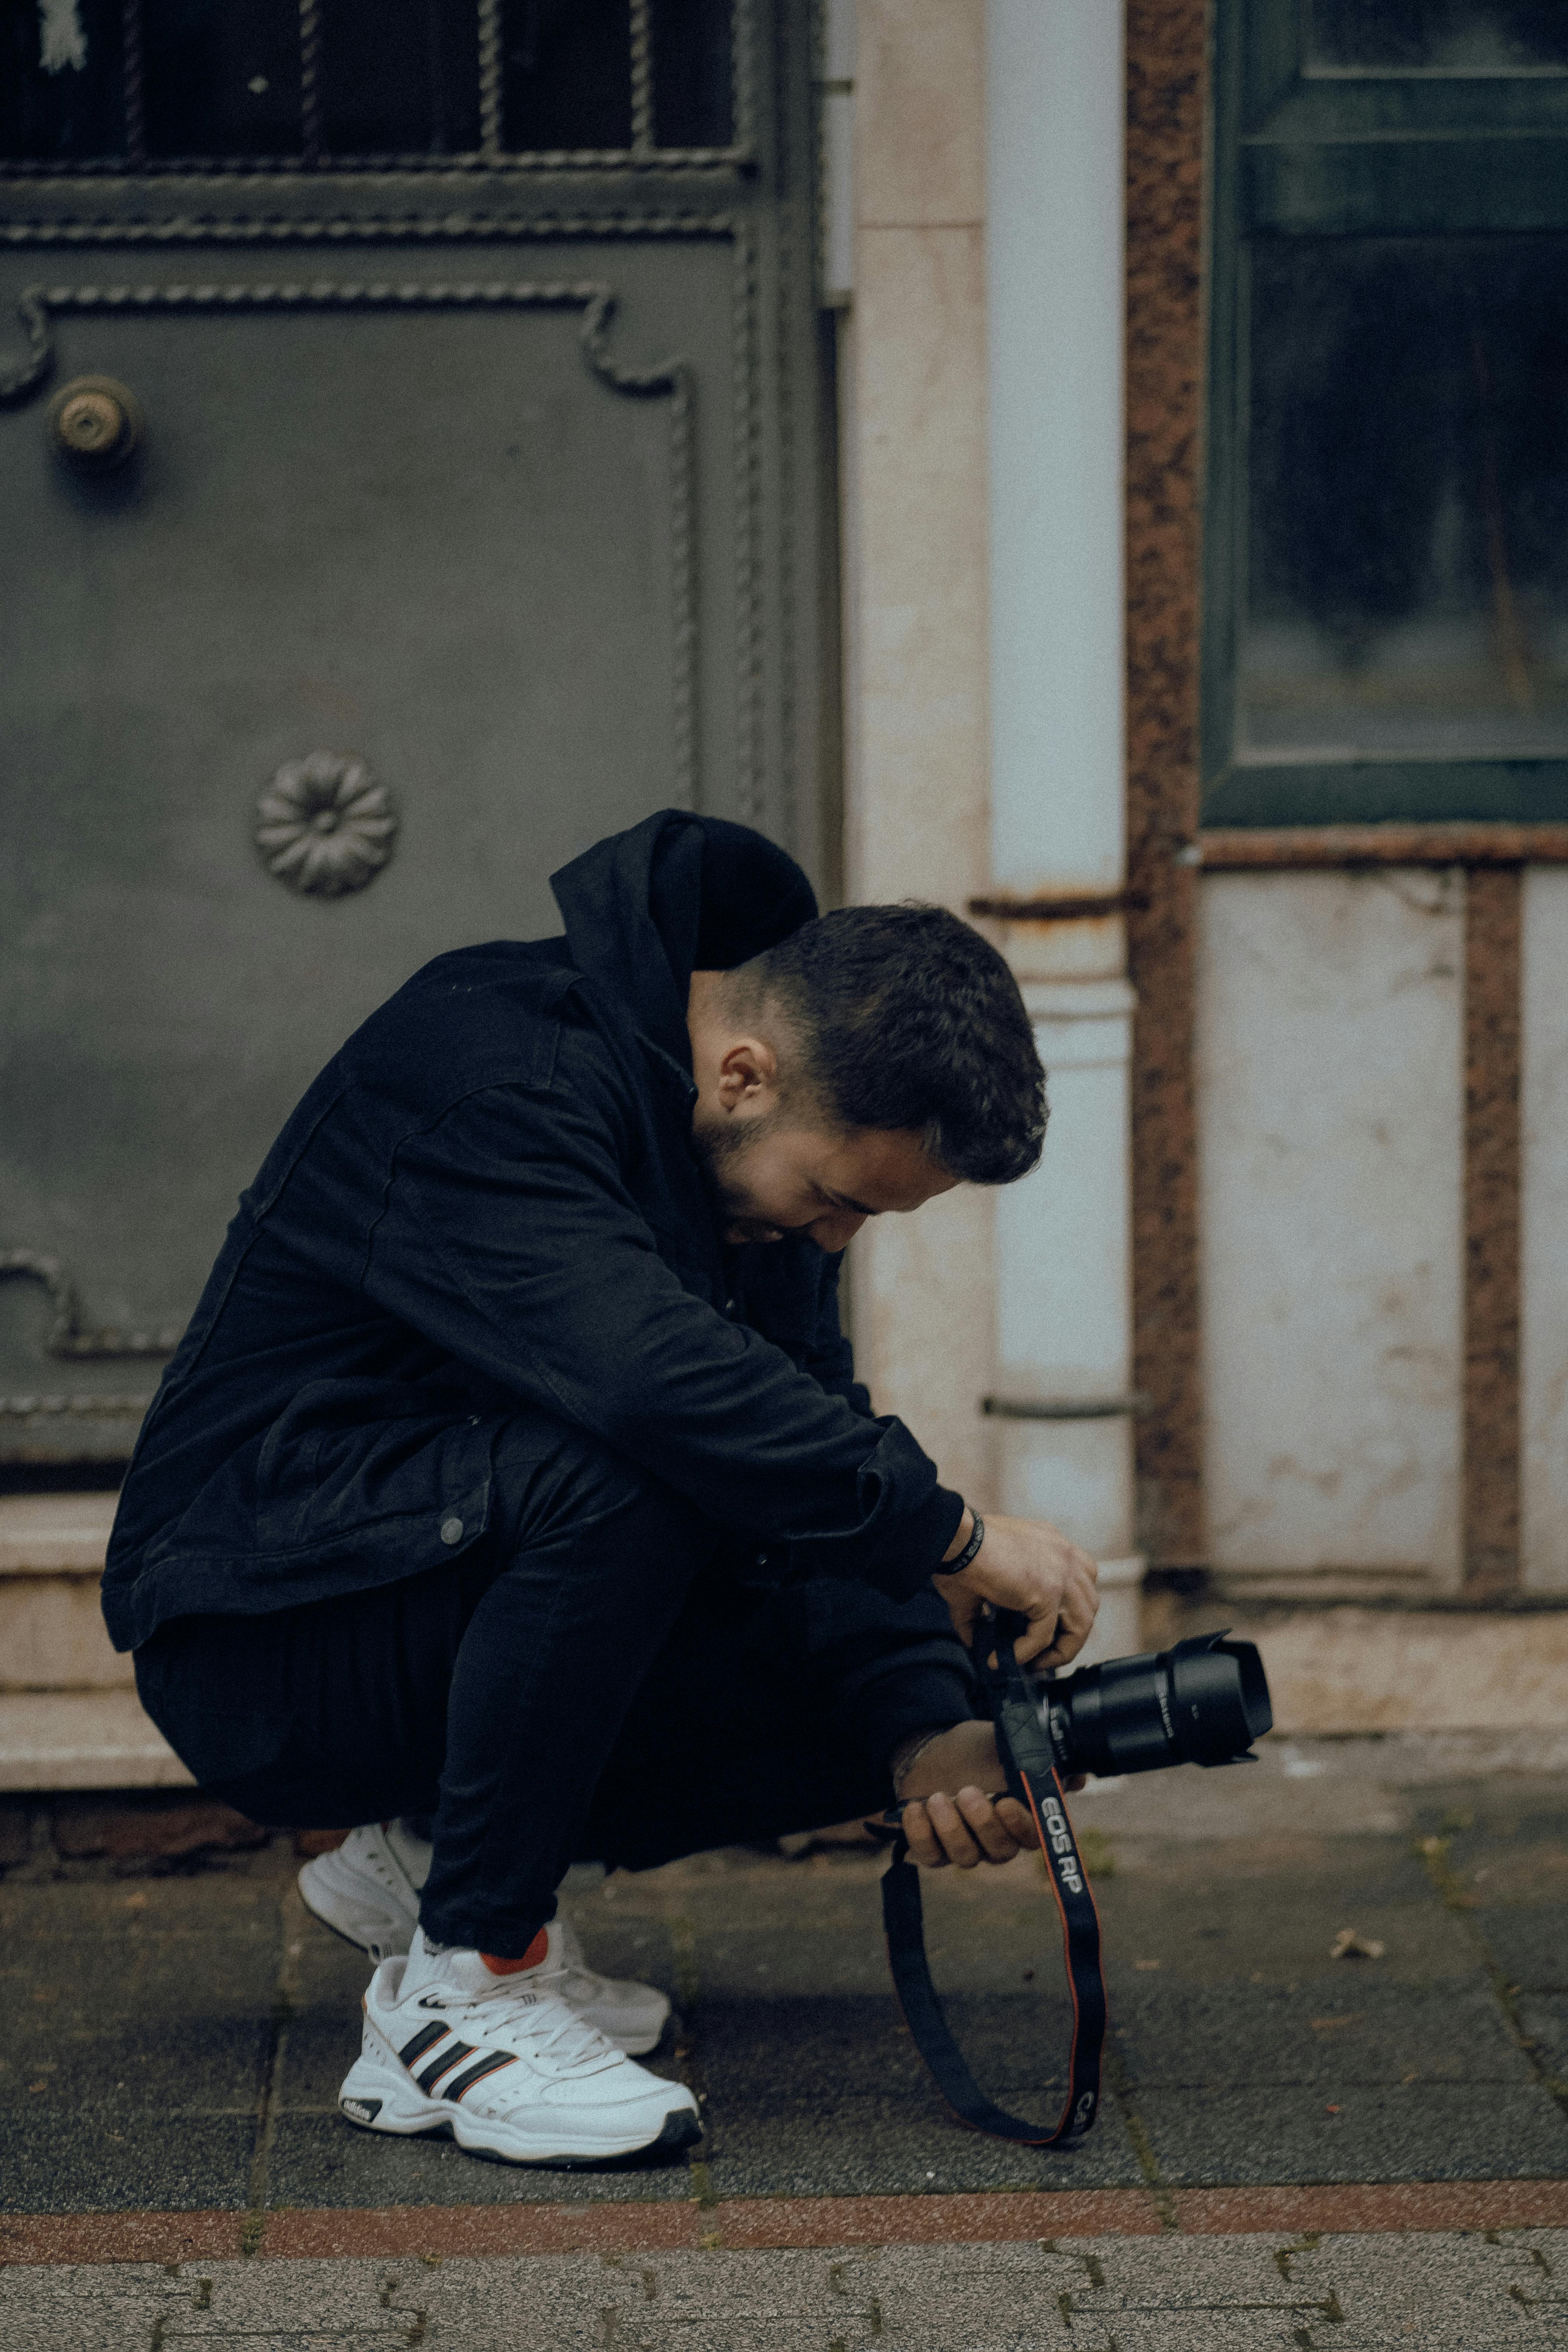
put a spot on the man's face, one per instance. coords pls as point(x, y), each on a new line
point(775, 1171)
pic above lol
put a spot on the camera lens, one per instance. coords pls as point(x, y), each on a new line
point(1205, 1702)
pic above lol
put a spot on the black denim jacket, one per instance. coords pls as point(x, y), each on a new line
point(489, 1194)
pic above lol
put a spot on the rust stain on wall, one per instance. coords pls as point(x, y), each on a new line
point(1165, 102)
point(1493, 936)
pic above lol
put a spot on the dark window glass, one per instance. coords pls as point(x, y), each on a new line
point(1456, 36)
point(399, 77)
point(567, 79)
point(693, 68)
point(60, 81)
point(1407, 547)
point(221, 77)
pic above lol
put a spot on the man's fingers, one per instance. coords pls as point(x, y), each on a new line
point(987, 1826)
point(1046, 1643)
point(966, 1831)
point(921, 1838)
point(1017, 1820)
point(952, 1832)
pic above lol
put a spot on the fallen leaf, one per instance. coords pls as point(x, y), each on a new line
point(1350, 1944)
point(1145, 1964)
point(1331, 2111)
point(1327, 2024)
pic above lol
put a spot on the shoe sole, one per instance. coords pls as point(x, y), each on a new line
point(385, 2106)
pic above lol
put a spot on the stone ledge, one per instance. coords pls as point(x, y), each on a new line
point(55, 1535)
point(83, 1739)
point(1345, 1670)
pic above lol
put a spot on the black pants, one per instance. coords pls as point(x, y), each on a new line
point(596, 1679)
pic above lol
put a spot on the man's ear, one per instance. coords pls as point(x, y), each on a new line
point(748, 1075)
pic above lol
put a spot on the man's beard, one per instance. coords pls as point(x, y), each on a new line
point(722, 1152)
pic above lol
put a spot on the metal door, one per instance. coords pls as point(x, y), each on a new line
point(406, 466)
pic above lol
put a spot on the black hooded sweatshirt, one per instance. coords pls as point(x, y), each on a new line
point(489, 1197)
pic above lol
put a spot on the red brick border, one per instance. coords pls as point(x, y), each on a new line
point(754, 2222)
point(1166, 99)
point(1490, 1499)
point(1352, 2206)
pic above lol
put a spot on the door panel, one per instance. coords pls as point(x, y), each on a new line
point(499, 508)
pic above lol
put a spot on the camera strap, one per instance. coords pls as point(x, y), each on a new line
point(1030, 1769)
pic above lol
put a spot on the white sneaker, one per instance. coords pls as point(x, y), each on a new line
point(367, 1890)
point(504, 2064)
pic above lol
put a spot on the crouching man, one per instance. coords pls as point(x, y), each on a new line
point(513, 1473)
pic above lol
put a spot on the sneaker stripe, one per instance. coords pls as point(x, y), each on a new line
point(444, 2064)
point(490, 2063)
point(425, 2039)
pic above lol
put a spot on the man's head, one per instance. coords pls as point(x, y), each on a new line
point(873, 1059)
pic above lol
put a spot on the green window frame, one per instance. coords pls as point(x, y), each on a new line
point(1379, 154)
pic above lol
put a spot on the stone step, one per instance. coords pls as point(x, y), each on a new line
point(52, 1634)
point(83, 1739)
point(70, 1716)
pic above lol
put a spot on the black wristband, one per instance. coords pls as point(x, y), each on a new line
point(976, 1537)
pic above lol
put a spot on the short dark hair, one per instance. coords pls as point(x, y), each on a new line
point(907, 1018)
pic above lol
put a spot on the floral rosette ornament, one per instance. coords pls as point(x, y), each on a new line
point(324, 825)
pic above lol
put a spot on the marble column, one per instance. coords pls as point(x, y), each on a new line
point(1055, 110)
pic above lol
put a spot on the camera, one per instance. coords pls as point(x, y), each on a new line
point(1203, 1702)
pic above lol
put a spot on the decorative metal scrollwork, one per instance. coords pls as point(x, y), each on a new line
point(324, 825)
point(66, 1335)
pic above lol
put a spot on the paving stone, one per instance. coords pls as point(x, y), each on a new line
point(1531, 1947)
point(1543, 2016)
point(828, 2096)
point(127, 2163)
point(622, 1945)
point(236, 1898)
point(1417, 2131)
point(136, 2081)
point(323, 2160)
point(93, 2308)
point(1355, 2028)
point(1209, 1916)
point(16, 1829)
point(1178, 2295)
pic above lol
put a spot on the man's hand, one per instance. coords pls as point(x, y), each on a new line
point(955, 1819)
point(1029, 1566)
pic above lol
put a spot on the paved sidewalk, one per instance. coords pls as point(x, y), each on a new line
point(167, 2107)
point(1440, 2293)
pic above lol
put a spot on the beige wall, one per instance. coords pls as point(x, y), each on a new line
point(1330, 1067)
point(915, 546)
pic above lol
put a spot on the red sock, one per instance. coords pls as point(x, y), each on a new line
point(531, 1958)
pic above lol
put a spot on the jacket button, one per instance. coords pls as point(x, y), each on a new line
point(451, 1531)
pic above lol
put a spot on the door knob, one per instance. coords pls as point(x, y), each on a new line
point(94, 423)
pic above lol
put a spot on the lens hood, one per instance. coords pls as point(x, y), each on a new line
point(1205, 1702)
